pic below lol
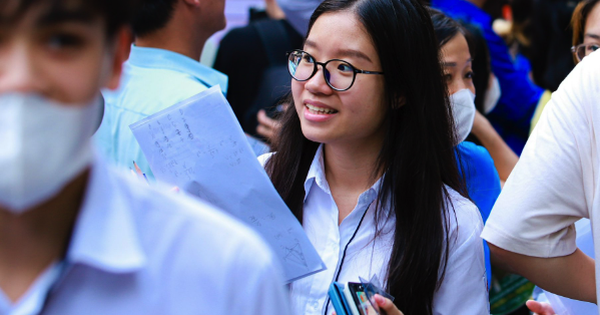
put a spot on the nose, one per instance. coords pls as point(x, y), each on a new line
point(317, 84)
point(18, 69)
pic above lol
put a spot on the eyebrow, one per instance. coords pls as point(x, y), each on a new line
point(594, 36)
point(58, 16)
point(342, 52)
point(454, 64)
point(55, 16)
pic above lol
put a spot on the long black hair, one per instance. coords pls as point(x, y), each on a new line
point(417, 154)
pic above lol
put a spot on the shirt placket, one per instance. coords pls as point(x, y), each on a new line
point(345, 231)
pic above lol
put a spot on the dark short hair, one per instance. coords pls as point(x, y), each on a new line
point(116, 13)
point(152, 16)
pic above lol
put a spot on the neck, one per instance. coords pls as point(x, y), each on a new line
point(31, 241)
point(351, 167)
point(350, 170)
point(177, 38)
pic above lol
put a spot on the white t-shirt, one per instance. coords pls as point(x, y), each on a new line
point(365, 258)
point(555, 182)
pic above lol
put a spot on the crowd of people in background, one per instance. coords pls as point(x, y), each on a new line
point(446, 147)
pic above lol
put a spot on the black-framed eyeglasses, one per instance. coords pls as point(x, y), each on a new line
point(339, 74)
point(582, 50)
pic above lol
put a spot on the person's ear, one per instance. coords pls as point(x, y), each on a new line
point(122, 47)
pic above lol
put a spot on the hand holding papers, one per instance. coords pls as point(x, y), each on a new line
point(199, 146)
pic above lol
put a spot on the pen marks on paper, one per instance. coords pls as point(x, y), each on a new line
point(294, 253)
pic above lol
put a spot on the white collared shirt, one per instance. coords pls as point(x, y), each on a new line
point(465, 274)
point(138, 250)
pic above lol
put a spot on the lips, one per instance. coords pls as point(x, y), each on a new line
point(319, 110)
point(316, 112)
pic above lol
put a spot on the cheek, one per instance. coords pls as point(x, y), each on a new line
point(453, 87)
point(75, 82)
point(297, 88)
point(472, 88)
point(366, 103)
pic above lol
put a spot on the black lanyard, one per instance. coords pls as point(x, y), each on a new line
point(339, 269)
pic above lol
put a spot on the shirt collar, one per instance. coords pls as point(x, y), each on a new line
point(316, 174)
point(105, 235)
point(146, 57)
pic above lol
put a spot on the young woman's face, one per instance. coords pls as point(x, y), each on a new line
point(60, 54)
point(457, 61)
point(354, 116)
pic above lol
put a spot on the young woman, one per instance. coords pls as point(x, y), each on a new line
point(481, 178)
point(365, 160)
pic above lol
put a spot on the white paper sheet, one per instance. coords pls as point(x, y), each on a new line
point(198, 146)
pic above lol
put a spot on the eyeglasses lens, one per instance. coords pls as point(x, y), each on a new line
point(583, 50)
point(590, 49)
point(341, 74)
point(302, 67)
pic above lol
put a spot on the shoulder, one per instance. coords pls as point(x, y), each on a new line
point(472, 149)
point(475, 155)
point(264, 158)
point(464, 220)
point(155, 85)
point(579, 91)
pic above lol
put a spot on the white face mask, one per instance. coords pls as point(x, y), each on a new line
point(44, 146)
point(492, 96)
point(463, 110)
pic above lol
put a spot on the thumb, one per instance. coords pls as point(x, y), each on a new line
point(540, 308)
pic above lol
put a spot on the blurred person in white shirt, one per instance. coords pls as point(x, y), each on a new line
point(75, 236)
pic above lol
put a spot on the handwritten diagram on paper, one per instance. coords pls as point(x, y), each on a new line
point(199, 146)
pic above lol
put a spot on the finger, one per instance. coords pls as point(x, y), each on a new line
point(265, 131)
point(137, 169)
point(263, 119)
point(540, 308)
point(262, 116)
point(387, 305)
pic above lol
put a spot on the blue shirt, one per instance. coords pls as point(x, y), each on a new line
point(483, 183)
point(136, 249)
point(512, 116)
point(153, 79)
